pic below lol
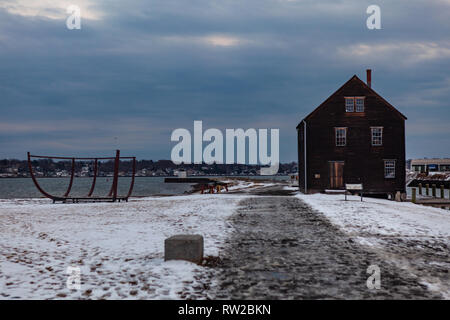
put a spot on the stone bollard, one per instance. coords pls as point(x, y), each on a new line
point(427, 189)
point(184, 247)
point(433, 190)
point(413, 197)
point(420, 188)
point(442, 191)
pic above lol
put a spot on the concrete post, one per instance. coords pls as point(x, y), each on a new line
point(413, 195)
point(184, 247)
point(420, 189)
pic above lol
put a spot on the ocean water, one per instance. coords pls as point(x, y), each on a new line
point(144, 186)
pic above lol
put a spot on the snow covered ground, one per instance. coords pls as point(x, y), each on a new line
point(381, 217)
point(416, 238)
point(242, 185)
point(117, 246)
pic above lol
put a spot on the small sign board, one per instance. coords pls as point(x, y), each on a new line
point(354, 186)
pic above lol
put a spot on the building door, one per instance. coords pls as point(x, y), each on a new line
point(336, 174)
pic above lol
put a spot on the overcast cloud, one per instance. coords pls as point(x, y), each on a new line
point(139, 69)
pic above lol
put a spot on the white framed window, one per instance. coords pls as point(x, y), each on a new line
point(359, 103)
point(341, 137)
point(389, 169)
point(349, 104)
point(377, 136)
point(354, 104)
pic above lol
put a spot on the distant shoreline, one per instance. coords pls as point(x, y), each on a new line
point(225, 176)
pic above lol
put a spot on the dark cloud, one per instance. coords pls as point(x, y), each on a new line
point(143, 68)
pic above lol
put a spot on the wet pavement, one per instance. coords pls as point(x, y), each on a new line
point(283, 249)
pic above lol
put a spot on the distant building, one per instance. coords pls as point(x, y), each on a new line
point(430, 165)
point(181, 174)
point(355, 136)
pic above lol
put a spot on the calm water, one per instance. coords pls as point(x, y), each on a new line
point(143, 186)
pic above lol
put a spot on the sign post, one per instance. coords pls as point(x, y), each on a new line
point(353, 187)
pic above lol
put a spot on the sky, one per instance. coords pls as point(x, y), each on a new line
point(137, 70)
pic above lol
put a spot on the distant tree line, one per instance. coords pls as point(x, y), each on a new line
point(49, 166)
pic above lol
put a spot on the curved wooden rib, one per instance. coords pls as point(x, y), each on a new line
point(116, 175)
point(132, 178)
point(30, 167)
point(113, 191)
point(71, 179)
point(94, 179)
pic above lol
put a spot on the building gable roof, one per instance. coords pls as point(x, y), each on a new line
point(363, 84)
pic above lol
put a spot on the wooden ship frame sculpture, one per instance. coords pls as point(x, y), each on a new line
point(112, 196)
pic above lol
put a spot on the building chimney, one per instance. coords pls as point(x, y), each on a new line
point(369, 78)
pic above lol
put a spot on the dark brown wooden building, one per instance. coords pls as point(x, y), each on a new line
point(355, 136)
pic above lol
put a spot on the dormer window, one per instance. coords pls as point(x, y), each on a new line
point(359, 101)
point(349, 104)
point(354, 104)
